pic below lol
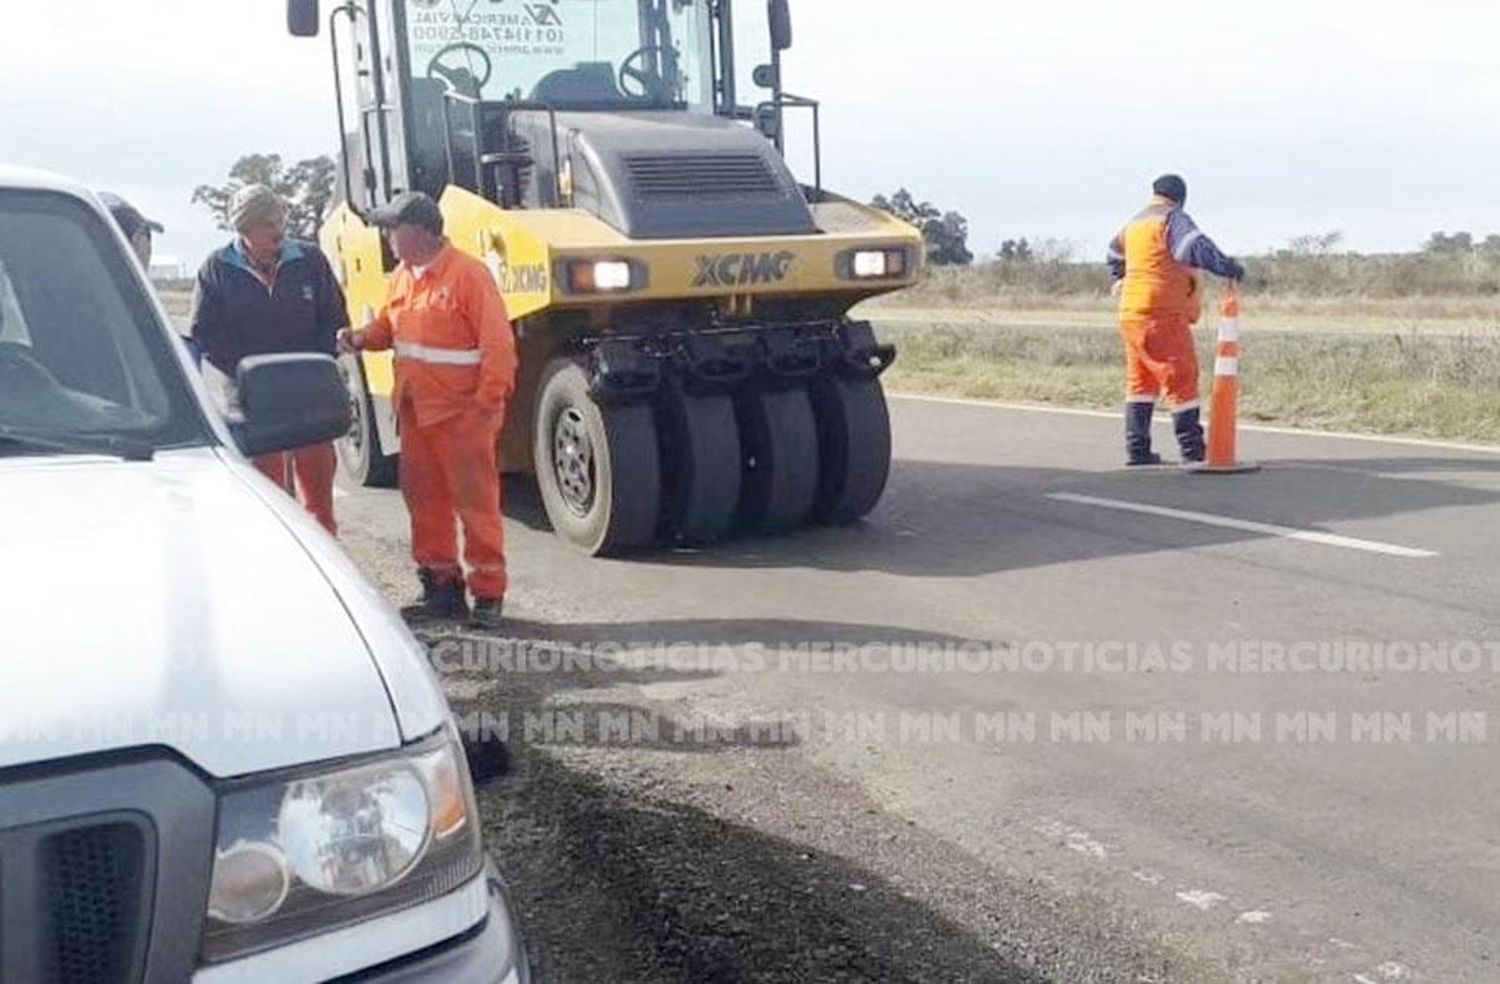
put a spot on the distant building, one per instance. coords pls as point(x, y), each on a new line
point(167, 268)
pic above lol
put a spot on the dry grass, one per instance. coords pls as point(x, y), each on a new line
point(1385, 344)
point(178, 301)
point(1442, 386)
point(1340, 293)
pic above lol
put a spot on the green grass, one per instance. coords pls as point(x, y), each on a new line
point(1440, 386)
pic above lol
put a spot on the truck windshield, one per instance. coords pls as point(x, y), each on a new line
point(84, 363)
point(571, 54)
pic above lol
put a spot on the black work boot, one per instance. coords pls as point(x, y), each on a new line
point(1138, 434)
point(486, 613)
point(1189, 435)
point(442, 597)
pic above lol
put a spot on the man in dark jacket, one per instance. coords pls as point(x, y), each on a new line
point(265, 294)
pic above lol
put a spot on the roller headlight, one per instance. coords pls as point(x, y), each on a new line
point(874, 264)
point(602, 276)
point(312, 852)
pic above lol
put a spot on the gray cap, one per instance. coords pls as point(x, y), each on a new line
point(409, 208)
point(256, 203)
point(130, 220)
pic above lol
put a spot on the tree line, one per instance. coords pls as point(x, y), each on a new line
point(310, 188)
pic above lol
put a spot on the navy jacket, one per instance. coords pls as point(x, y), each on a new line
point(236, 315)
point(1187, 245)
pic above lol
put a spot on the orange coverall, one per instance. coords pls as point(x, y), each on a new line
point(1159, 304)
point(1152, 261)
point(455, 370)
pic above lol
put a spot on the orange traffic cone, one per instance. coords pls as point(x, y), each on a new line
point(1223, 422)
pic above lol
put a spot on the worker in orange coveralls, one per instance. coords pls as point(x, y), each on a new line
point(455, 370)
point(1152, 261)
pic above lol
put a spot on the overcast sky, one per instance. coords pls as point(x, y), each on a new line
point(1380, 118)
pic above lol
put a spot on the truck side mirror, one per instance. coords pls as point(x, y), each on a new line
point(302, 18)
point(290, 401)
point(781, 24)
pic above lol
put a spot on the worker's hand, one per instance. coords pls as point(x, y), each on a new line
point(1237, 271)
point(349, 341)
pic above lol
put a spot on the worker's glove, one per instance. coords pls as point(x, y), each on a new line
point(1236, 270)
point(348, 342)
point(1116, 287)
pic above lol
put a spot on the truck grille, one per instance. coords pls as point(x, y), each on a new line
point(89, 893)
point(80, 894)
point(690, 175)
point(94, 889)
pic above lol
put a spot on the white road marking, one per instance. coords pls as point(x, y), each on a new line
point(1075, 839)
point(1245, 525)
point(1414, 442)
point(1479, 481)
point(1084, 845)
point(1254, 917)
point(1199, 899)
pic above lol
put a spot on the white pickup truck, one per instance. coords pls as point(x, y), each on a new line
point(222, 755)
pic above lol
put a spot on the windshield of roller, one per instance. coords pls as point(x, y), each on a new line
point(570, 54)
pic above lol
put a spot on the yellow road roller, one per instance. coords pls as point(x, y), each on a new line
point(689, 366)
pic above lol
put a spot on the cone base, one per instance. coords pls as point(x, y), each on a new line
point(1234, 468)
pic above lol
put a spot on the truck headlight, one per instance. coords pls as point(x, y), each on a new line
point(308, 853)
point(874, 264)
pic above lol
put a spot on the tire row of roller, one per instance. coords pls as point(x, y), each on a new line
point(689, 464)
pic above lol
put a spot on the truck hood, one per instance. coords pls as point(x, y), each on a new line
point(168, 603)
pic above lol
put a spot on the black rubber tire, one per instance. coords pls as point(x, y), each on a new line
point(779, 448)
point(854, 443)
point(359, 452)
point(700, 449)
point(620, 513)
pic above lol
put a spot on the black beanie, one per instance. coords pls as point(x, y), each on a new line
point(1171, 186)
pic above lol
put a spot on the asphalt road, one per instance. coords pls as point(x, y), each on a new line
point(1039, 715)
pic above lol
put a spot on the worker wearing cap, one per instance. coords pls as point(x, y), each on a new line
point(1152, 262)
point(265, 294)
point(136, 227)
point(455, 370)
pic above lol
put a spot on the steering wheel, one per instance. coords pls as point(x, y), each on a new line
point(19, 368)
point(458, 75)
point(651, 84)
